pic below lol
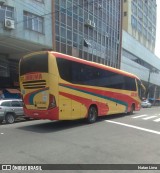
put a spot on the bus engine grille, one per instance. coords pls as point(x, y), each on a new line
point(37, 84)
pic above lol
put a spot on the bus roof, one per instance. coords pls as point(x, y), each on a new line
point(105, 67)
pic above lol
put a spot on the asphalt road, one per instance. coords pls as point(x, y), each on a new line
point(118, 139)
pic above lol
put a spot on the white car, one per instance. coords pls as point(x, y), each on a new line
point(10, 109)
point(146, 104)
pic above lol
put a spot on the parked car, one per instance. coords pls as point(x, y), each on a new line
point(10, 109)
point(146, 104)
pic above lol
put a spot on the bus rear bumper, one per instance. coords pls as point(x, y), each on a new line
point(51, 114)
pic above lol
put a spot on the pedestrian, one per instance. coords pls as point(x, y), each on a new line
point(1, 95)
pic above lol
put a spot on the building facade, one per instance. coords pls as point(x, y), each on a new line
point(25, 26)
point(88, 29)
point(138, 43)
point(139, 20)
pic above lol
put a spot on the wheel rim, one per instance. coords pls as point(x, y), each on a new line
point(92, 114)
point(131, 111)
point(10, 118)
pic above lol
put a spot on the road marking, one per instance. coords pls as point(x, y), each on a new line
point(139, 116)
point(157, 120)
point(149, 117)
point(2, 133)
point(135, 127)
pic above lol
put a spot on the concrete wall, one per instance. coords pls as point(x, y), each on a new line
point(34, 7)
point(134, 47)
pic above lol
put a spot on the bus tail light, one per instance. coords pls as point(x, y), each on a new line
point(52, 102)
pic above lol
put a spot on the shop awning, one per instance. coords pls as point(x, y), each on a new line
point(13, 91)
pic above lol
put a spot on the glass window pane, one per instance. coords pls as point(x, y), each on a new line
point(63, 32)
point(33, 22)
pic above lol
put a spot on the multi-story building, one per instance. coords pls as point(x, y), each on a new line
point(138, 43)
point(140, 21)
point(25, 26)
point(89, 29)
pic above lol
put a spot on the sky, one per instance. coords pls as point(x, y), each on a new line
point(157, 49)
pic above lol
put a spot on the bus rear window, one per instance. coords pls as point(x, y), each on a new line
point(35, 63)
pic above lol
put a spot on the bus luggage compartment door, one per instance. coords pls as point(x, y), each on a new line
point(64, 108)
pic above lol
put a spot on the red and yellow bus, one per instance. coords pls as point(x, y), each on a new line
point(55, 86)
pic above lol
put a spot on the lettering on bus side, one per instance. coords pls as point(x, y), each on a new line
point(133, 94)
point(36, 76)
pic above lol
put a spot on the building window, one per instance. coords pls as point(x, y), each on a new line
point(33, 22)
point(6, 12)
point(125, 13)
point(140, 4)
point(86, 43)
point(135, 1)
point(145, 20)
point(139, 27)
point(154, 30)
point(146, 9)
point(134, 22)
point(145, 33)
point(140, 15)
point(4, 66)
point(63, 18)
point(149, 37)
point(40, 1)
point(134, 9)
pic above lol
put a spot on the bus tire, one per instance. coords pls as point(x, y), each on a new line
point(92, 114)
point(131, 110)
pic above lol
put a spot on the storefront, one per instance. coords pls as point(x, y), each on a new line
point(8, 72)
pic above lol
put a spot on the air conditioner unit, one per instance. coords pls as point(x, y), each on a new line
point(88, 22)
point(9, 24)
point(93, 24)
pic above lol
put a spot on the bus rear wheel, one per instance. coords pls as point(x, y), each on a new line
point(92, 114)
point(131, 110)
